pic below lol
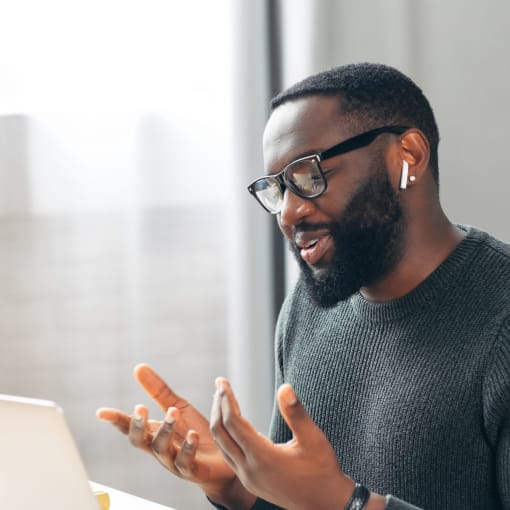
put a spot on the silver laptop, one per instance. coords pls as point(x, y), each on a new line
point(40, 467)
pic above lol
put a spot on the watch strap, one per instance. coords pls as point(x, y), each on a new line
point(359, 498)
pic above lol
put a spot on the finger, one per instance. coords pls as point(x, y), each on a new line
point(138, 429)
point(295, 415)
point(223, 388)
point(230, 450)
point(115, 417)
point(157, 388)
point(162, 443)
point(240, 431)
point(185, 458)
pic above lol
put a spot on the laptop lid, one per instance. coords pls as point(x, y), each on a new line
point(40, 466)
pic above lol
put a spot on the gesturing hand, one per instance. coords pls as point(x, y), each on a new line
point(182, 442)
point(301, 474)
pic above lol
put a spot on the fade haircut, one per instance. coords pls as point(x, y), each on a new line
point(372, 95)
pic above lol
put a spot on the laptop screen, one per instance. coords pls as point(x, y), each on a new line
point(40, 466)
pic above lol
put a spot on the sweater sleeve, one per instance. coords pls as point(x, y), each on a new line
point(393, 503)
point(496, 402)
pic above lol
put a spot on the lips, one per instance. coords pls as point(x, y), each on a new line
point(313, 247)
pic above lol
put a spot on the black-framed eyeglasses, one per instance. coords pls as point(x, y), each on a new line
point(304, 176)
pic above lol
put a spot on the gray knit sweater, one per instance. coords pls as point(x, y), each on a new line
point(413, 394)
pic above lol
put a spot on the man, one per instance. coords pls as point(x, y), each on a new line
point(393, 350)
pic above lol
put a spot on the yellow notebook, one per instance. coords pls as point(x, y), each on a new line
point(103, 498)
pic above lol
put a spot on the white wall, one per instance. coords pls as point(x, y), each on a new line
point(463, 66)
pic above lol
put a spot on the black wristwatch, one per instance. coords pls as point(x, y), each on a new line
point(359, 498)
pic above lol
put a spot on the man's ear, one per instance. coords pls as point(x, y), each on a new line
point(414, 155)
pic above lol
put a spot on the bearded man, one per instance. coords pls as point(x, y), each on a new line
point(392, 350)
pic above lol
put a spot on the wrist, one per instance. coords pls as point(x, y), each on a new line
point(376, 502)
point(232, 495)
point(363, 499)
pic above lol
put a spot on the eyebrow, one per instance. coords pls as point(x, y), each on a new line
point(306, 154)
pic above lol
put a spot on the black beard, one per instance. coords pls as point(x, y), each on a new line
point(368, 243)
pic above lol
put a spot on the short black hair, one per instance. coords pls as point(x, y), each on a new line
point(374, 94)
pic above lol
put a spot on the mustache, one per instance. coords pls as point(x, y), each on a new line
point(311, 227)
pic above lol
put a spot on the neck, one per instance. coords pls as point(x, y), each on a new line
point(427, 244)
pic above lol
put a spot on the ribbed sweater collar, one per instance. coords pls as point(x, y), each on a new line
point(429, 292)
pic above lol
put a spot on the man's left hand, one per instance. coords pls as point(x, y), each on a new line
point(301, 474)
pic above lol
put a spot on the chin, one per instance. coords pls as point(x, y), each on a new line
point(319, 272)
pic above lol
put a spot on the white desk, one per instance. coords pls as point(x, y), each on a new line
point(123, 501)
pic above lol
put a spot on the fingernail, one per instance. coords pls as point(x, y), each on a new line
point(138, 421)
point(291, 398)
point(189, 442)
point(169, 417)
point(138, 415)
point(220, 388)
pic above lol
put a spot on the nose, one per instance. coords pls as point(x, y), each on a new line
point(294, 209)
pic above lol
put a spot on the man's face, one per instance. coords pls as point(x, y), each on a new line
point(352, 235)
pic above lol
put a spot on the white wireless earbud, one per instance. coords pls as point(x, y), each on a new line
point(403, 176)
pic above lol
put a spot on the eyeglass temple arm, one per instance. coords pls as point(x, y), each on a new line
point(360, 141)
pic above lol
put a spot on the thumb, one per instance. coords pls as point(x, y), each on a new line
point(299, 421)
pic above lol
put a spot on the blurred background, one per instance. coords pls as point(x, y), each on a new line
point(128, 133)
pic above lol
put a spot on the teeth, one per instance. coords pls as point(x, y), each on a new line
point(312, 243)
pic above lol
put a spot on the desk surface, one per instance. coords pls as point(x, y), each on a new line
point(120, 500)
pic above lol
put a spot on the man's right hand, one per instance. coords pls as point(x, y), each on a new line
point(182, 442)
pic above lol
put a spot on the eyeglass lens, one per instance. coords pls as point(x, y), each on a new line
point(269, 194)
point(303, 177)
